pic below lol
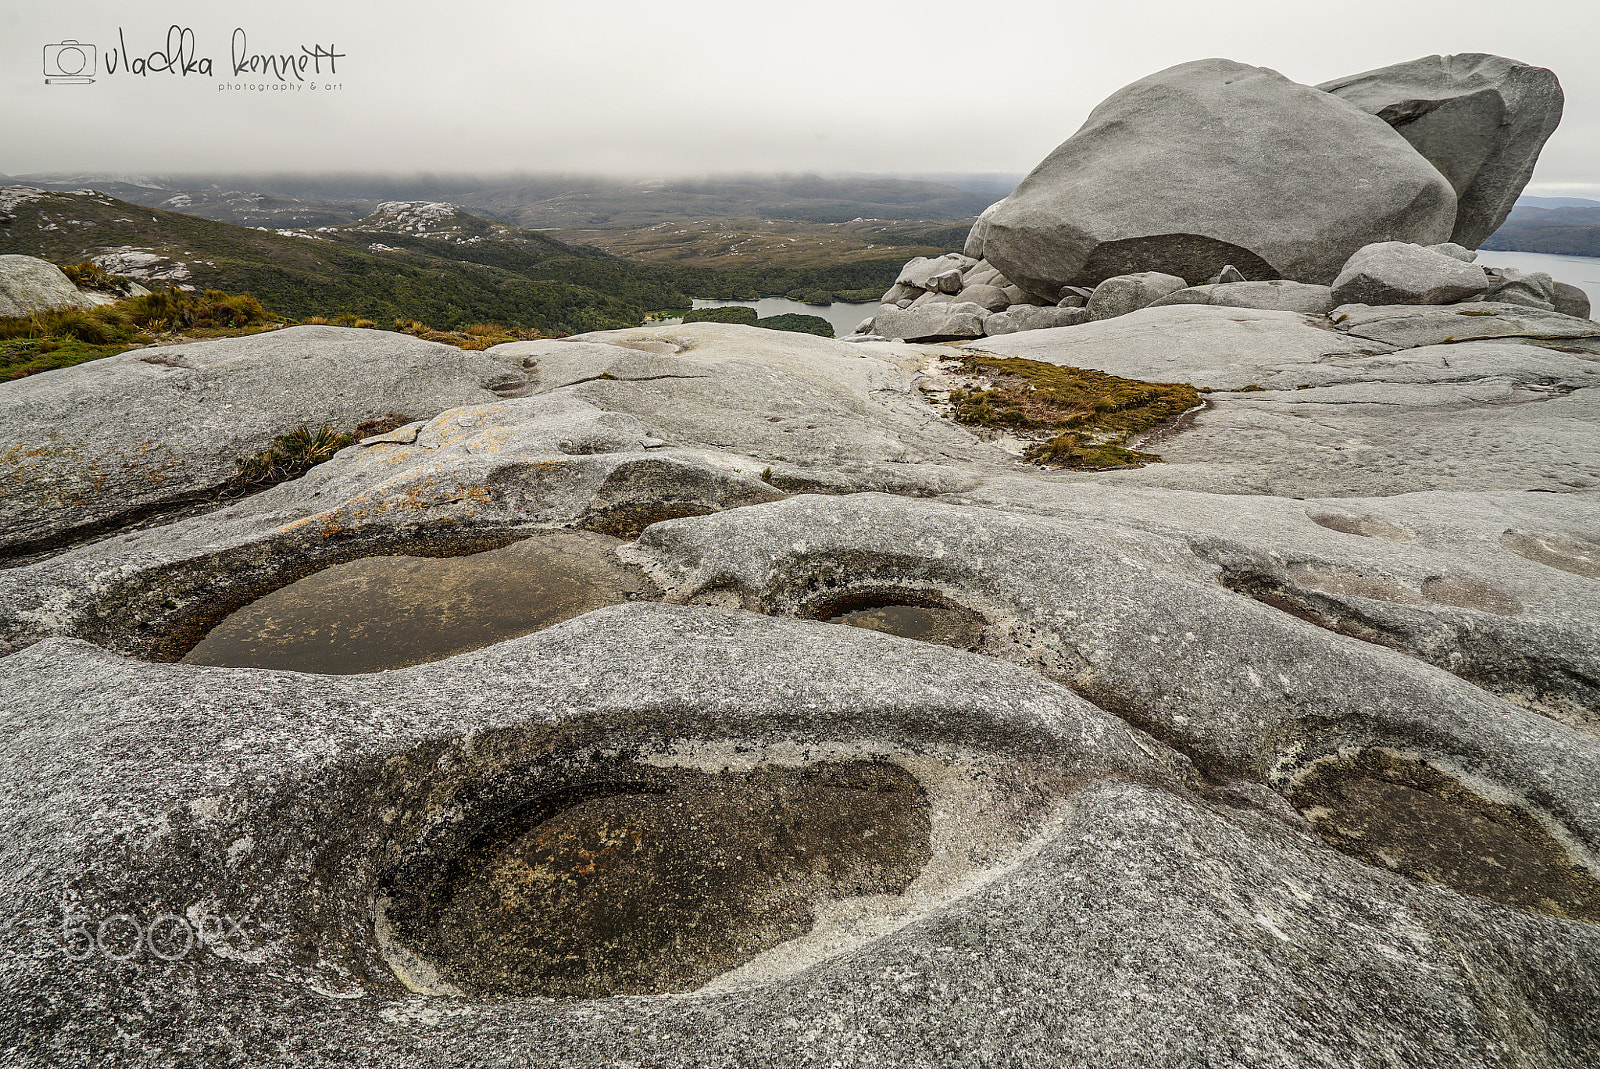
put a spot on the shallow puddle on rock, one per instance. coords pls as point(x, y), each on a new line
point(948, 627)
point(1363, 525)
point(389, 612)
point(656, 881)
point(1573, 555)
point(1410, 818)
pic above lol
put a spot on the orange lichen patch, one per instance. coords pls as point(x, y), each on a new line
point(490, 441)
point(416, 497)
point(21, 451)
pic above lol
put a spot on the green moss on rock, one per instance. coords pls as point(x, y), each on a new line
point(1092, 414)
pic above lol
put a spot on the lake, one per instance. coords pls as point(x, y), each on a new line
point(1580, 271)
point(844, 317)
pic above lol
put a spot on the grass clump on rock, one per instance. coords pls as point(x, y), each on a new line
point(1077, 418)
point(297, 452)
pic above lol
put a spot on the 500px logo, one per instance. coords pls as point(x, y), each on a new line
point(167, 936)
point(71, 62)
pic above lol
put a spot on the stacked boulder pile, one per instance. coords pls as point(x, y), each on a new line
point(1213, 182)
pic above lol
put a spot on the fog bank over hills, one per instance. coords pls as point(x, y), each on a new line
point(550, 201)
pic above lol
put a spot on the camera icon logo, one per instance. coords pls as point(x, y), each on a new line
point(69, 63)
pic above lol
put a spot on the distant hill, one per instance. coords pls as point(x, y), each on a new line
point(434, 262)
point(545, 204)
point(1563, 226)
point(553, 201)
point(1556, 202)
point(330, 272)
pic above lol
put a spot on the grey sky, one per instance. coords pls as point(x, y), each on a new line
point(701, 86)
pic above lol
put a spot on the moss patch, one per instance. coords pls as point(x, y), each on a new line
point(1078, 418)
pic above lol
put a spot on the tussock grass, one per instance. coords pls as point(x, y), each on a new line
point(297, 452)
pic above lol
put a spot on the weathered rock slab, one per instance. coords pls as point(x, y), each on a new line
point(1410, 325)
point(85, 445)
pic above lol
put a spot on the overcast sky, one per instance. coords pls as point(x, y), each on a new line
point(699, 86)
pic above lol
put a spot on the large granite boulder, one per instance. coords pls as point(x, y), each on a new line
point(941, 274)
point(980, 229)
point(1032, 317)
point(1480, 119)
point(29, 284)
point(990, 297)
point(1393, 272)
point(1571, 301)
point(1214, 163)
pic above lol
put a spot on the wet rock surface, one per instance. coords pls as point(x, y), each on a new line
point(652, 883)
point(1403, 815)
point(891, 748)
point(393, 611)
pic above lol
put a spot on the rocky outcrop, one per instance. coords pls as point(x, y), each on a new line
point(1198, 171)
point(830, 730)
point(1529, 289)
point(1033, 317)
point(29, 284)
point(1481, 120)
point(1216, 734)
point(1213, 163)
point(1409, 325)
point(940, 274)
point(1393, 272)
